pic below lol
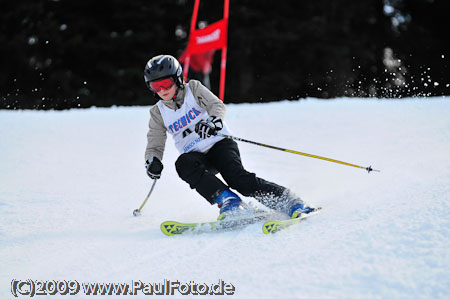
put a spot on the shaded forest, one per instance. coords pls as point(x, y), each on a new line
point(64, 54)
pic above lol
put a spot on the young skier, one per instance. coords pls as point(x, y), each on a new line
point(193, 115)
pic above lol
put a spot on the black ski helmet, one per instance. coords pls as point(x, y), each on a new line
point(163, 66)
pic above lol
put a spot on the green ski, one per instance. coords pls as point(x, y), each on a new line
point(171, 228)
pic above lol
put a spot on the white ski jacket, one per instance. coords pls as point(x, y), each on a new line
point(157, 133)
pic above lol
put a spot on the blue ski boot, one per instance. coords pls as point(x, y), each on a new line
point(298, 209)
point(229, 203)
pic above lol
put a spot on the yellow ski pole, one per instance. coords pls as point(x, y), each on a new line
point(369, 168)
point(137, 212)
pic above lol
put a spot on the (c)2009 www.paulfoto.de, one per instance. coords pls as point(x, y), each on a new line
point(30, 287)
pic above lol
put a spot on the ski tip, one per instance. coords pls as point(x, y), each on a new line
point(274, 226)
point(169, 228)
point(172, 228)
point(270, 227)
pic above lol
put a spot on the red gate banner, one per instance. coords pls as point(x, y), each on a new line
point(209, 38)
point(212, 37)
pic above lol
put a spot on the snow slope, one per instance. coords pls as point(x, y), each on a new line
point(70, 180)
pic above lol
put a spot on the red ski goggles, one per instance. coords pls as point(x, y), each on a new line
point(165, 84)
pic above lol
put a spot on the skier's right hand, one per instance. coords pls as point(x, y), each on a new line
point(154, 168)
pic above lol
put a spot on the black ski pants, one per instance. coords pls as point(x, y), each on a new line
point(199, 171)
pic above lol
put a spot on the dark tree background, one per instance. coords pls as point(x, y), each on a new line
point(60, 54)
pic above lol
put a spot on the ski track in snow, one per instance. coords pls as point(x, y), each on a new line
point(71, 179)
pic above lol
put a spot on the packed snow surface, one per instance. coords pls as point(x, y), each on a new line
point(70, 181)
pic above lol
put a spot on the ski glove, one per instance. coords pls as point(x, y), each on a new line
point(154, 168)
point(208, 127)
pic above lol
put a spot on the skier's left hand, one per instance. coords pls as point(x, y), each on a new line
point(210, 126)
